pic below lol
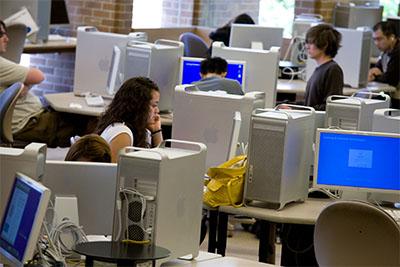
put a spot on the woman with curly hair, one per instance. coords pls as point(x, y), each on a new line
point(132, 118)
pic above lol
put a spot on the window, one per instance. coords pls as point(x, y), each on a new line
point(390, 8)
point(147, 14)
point(277, 13)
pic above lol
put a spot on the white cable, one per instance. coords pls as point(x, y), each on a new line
point(66, 226)
point(325, 191)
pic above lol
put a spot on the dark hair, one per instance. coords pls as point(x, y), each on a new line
point(222, 34)
point(213, 65)
point(3, 24)
point(388, 28)
point(91, 148)
point(130, 105)
point(325, 37)
point(243, 18)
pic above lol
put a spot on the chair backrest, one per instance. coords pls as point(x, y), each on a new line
point(354, 233)
point(8, 99)
point(194, 45)
point(17, 35)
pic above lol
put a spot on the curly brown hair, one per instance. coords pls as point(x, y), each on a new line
point(130, 105)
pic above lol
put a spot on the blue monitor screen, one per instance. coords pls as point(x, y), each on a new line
point(18, 219)
point(355, 160)
point(191, 71)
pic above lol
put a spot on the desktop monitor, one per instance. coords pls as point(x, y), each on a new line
point(255, 36)
point(357, 161)
point(22, 220)
point(210, 118)
point(190, 70)
point(261, 68)
point(94, 52)
point(93, 184)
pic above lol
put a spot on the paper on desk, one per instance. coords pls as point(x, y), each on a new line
point(24, 17)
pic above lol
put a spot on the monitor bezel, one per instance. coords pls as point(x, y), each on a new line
point(37, 222)
point(199, 59)
point(347, 188)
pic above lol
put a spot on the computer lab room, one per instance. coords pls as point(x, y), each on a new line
point(199, 133)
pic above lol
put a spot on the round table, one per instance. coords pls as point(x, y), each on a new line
point(121, 253)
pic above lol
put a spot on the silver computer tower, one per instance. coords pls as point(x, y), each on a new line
point(354, 16)
point(279, 156)
point(353, 57)
point(386, 120)
point(171, 182)
point(353, 113)
point(159, 62)
point(29, 161)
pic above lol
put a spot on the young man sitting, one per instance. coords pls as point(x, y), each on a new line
point(213, 72)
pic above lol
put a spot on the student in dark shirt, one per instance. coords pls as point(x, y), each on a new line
point(387, 69)
point(322, 44)
point(213, 72)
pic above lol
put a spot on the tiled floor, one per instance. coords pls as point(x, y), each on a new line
point(243, 244)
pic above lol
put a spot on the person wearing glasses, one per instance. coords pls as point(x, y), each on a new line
point(387, 68)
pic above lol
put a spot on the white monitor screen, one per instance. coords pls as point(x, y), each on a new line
point(261, 68)
point(190, 70)
point(23, 219)
point(252, 36)
point(213, 125)
point(93, 184)
point(357, 160)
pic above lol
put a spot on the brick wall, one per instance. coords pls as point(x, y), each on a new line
point(106, 15)
point(215, 13)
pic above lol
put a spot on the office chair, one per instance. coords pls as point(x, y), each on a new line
point(194, 45)
point(8, 99)
point(354, 233)
point(17, 35)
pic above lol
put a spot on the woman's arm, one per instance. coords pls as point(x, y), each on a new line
point(156, 133)
point(117, 143)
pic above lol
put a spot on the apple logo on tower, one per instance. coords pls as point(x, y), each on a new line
point(104, 64)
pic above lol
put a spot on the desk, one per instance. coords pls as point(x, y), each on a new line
point(299, 87)
point(124, 254)
point(61, 102)
point(296, 213)
point(67, 45)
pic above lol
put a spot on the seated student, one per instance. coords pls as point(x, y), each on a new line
point(91, 147)
point(31, 122)
point(213, 72)
point(132, 118)
point(322, 44)
point(387, 69)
